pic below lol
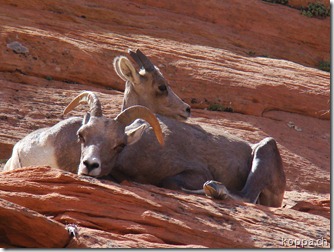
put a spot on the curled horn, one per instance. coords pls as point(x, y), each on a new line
point(86, 97)
point(142, 60)
point(135, 112)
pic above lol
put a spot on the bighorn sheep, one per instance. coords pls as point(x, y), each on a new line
point(101, 139)
point(148, 87)
point(194, 155)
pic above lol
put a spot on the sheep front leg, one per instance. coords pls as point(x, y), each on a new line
point(187, 180)
point(265, 183)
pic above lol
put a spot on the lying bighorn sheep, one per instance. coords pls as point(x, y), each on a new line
point(101, 139)
point(194, 156)
point(146, 87)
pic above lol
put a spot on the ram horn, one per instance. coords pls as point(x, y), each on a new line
point(142, 60)
point(86, 97)
point(132, 113)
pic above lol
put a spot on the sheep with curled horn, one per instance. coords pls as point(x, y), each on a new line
point(146, 87)
point(100, 139)
point(192, 155)
point(198, 159)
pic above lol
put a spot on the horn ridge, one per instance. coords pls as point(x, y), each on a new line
point(135, 57)
point(138, 56)
point(148, 65)
point(88, 97)
point(140, 112)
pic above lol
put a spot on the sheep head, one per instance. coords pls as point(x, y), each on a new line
point(102, 139)
point(148, 87)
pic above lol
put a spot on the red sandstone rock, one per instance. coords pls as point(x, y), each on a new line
point(22, 227)
point(134, 215)
point(255, 57)
point(79, 42)
point(319, 207)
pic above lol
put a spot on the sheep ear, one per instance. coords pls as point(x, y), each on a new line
point(126, 70)
point(86, 119)
point(133, 135)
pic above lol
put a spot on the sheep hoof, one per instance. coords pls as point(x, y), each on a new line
point(215, 189)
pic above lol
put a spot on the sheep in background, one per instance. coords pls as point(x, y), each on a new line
point(196, 157)
point(148, 87)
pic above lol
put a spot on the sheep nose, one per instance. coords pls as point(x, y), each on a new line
point(91, 165)
point(188, 110)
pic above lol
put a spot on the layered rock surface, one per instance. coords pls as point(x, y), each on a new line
point(133, 215)
point(256, 58)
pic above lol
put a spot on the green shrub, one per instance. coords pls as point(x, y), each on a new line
point(316, 10)
point(219, 107)
point(325, 66)
point(251, 53)
point(284, 2)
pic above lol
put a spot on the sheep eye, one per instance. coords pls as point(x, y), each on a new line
point(119, 147)
point(81, 138)
point(162, 88)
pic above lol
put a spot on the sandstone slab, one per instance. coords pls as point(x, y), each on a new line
point(134, 215)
